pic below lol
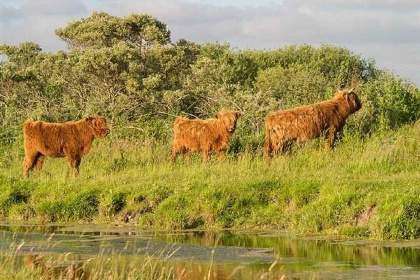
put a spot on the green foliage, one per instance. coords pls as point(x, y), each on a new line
point(84, 204)
point(101, 29)
point(355, 231)
point(293, 86)
point(16, 192)
point(366, 187)
point(112, 203)
point(387, 103)
point(127, 69)
point(405, 224)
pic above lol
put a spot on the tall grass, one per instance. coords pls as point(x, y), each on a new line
point(364, 188)
point(15, 263)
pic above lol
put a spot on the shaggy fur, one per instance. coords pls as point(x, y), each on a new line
point(70, 139)
point(327, 118)
point(204, 135)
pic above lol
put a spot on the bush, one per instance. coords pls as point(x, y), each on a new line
point(140, 86)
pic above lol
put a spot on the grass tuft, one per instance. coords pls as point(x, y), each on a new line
point(364, 187)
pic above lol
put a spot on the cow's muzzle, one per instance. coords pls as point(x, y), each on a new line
point(231, 129)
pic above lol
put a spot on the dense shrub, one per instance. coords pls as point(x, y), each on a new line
point(128, 70)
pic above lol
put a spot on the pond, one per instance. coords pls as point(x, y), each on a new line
point(234, 254)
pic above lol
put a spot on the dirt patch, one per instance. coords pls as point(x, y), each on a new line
point(368, 214)
point(291, 206)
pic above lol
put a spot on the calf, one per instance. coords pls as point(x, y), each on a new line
point(70, 139)
point(204, 135)
point(326, 118)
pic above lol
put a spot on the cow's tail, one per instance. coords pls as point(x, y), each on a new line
point(175, 142)
point(268, 148)
point(177, 130)
point(177, 122)
point(26, 126)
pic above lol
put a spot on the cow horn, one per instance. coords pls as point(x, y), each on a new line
point(351, 90)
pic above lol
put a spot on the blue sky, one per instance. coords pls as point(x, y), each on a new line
point(385, 30)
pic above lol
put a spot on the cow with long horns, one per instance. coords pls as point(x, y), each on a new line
point(327, 118)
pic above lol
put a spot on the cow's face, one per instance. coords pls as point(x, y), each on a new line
point(351, 99)
point(229, 118)
point(98, 124)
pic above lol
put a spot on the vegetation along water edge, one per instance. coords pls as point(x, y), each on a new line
point(129, 70)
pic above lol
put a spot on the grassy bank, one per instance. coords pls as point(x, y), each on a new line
point(364, 188)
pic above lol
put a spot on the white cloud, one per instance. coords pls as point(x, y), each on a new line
point(393, 6)
point(41, 8)
point(36, 20)
point(386, 30)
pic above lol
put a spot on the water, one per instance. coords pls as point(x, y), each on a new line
point(245, 252)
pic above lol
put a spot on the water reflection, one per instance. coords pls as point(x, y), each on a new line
point(245, 254)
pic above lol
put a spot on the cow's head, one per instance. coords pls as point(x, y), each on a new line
point(98, 125)
point(350, 98)
point(229, 118)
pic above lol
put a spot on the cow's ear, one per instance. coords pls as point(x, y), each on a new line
point(91, 121)
point(217, 116)
point(346, 96)
point(352, 98)
point(337, 91)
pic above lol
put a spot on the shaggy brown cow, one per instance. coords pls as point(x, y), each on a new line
point(204, 135)
point(326, 118)
point(70, 139)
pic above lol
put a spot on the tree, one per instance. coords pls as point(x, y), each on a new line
point(103, 30)
point(127, 69)
point(295, 85)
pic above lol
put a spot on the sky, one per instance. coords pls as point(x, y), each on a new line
point(385, 30)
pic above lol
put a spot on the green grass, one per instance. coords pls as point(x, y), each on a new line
point(364, 188)
point(18, 265)
point(56, 266)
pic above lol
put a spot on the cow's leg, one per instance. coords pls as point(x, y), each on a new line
point(329, 142)
point(286, 147)
point(39, 162)
point(74, 161)
point(74, 164)
point(175, 151)
point(221, 155)
point(268, 147)
point(187, 155)
point(268, 150)
point(29, 162)
point(330, 138)
point(205, 156)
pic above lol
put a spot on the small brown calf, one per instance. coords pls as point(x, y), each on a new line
point(204, 135)
point(70, 139)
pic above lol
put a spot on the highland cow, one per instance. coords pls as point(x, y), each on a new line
point(327, 118)
point(204, 135)
point(70, 139)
